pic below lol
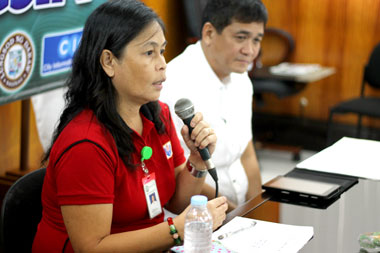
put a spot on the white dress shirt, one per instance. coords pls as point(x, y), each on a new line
point(226, 105)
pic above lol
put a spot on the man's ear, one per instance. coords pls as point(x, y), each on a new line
point(107, 61)
point(208, 33)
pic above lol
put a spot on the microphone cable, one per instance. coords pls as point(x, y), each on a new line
point(215, 178)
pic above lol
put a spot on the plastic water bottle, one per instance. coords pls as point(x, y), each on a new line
point(198, 226)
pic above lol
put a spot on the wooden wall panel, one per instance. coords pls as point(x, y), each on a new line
point(337, 33)
point(9, 136)
point(35, 148)
point(170, 12)
point(10, 129)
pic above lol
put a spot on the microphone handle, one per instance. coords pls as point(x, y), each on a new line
point(205, 154)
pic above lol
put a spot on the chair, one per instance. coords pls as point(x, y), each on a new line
point(193, 18)
point(276, 47)
point(21, 212)
point(363, 105)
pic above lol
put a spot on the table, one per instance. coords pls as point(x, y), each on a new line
point(337, 228)
point(318, 73)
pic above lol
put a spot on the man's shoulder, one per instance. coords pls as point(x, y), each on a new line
point(186, 58)
point(241, 78)
point(183, 75)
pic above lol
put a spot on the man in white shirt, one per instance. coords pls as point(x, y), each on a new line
point(213, 74)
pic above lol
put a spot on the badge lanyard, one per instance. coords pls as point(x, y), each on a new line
point(149, 185)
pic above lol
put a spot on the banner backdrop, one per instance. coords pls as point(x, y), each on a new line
point(38, 39)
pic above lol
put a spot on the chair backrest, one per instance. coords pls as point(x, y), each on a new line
point(372, 69)
point(276, 47)
point(193, 16)
point(21, 212)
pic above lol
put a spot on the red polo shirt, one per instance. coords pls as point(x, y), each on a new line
point(91, 172)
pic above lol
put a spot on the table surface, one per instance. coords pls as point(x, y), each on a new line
point(337, 228)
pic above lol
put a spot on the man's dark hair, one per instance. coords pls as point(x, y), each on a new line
point(221, 13)
point(111, 26)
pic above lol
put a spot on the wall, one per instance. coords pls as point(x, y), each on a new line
point(336, 33)
point(10, 129)
point(171, 13)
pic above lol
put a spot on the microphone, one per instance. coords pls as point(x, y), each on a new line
point(184, 108)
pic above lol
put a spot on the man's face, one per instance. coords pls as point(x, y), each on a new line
point(235, 48)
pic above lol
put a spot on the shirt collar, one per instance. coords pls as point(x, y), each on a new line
point(147, 127)
point(207, 67)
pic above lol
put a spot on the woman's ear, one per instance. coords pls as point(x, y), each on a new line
point(107, 62)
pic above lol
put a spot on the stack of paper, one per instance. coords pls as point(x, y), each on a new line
point(348, 156)
point(294, 69)
point(246, 235)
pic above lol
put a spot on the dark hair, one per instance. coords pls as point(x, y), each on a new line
point(221, 13)
point(111, 26)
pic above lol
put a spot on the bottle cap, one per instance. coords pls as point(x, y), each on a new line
point(198, 200)
point(146, 153)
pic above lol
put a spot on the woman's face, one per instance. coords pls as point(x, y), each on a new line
point(140, 71)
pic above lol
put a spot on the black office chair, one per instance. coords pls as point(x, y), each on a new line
point(193, 18)
point(21, 212)
point(363, 105)
point(276, 47)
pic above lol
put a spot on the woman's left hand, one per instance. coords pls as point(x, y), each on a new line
point(201, 137)
point(217, 208)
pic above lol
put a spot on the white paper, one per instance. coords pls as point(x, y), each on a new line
point(263, 237)
point(348, 156)
point(305, 73)
point(293, 69)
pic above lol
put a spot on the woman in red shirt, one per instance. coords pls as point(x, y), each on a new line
point(115, 147)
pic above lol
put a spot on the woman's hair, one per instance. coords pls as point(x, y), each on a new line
point(111, 26)
point(221, 13)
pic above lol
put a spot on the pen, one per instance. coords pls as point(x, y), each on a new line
point(228, 234)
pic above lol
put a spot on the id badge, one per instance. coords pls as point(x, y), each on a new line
point(151, 195)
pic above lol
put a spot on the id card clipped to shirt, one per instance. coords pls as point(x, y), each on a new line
point(151, 195)
point(149, 185)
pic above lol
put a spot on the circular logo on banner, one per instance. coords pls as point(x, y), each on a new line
point(16, 61)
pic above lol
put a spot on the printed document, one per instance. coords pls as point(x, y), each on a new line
point(348, 156)
point(245, 235)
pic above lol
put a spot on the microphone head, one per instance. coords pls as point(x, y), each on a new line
point(184, 108)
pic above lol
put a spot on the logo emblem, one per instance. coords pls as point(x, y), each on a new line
point(16, 61)
point(168, 149)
